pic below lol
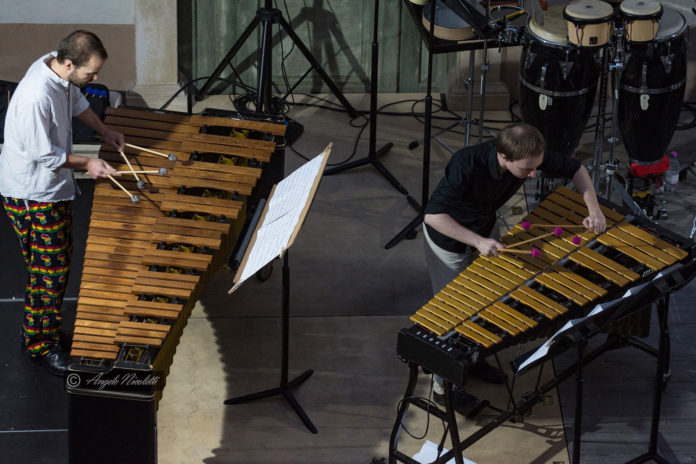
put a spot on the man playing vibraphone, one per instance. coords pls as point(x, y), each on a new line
point(460, 216)
point(37, 181)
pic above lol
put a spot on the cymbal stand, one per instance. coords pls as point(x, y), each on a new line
point(617, 68)
point(484, 70)
point(409, 230)
point(601, 111)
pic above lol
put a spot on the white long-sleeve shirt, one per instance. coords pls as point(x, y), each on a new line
point(38, 136)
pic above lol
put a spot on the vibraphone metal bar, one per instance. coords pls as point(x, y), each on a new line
point(496, 302)
point(146, 263)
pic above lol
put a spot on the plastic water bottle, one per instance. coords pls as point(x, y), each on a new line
point(672, 174)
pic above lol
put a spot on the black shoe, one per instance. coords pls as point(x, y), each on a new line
point(463, 401)
point(484, 371)
point(56, 361)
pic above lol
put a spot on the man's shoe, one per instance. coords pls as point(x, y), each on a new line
point(56, 361)
point(463, 401)
point(484, 371)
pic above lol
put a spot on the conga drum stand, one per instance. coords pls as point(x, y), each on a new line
point(616, 67)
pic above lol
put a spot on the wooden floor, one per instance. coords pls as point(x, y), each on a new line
point(349, 298)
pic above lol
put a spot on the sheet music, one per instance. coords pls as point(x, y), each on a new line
point(428, 453)
point(282, 217)
point(544, 349)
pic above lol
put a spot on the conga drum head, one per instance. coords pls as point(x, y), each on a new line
point(588, 22)
point(448, 24)
point(641, 9)
point(672, 24)
point(554, 29)
point(641, 19)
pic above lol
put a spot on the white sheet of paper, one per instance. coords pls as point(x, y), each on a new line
point(282, 216)
point(428, 453)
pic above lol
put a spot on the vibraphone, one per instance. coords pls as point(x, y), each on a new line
point(146, 263)
point(513, 298)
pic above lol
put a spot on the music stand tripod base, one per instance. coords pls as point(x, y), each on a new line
point(285, 387)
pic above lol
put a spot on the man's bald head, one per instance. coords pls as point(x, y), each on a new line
point(79, 47)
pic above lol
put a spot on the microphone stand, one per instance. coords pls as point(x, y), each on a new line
point(373, 153)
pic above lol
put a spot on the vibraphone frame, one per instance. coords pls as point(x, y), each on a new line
point(656, 291)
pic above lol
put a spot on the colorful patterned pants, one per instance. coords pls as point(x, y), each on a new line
point(45, 235)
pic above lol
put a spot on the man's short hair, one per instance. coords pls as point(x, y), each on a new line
point(79, 47)
point(520, 141)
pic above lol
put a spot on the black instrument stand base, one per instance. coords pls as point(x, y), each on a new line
point(371, 159)
point(373, 152)
point(285, 391)
point(285, 385)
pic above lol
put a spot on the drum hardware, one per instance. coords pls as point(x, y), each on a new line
point(566, 66)
point(617, 68)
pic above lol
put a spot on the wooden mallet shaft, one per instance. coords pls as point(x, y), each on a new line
point(533, 239)
point(563, 226)
point(526, 225)
point(123, 155)
point(152, 171)
point(147, 150)
point(130, 195)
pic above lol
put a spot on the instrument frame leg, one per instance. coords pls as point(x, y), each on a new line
point(663, 354)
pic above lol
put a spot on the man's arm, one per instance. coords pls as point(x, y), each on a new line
point(96, 167)
point(596, 221)
point(446, 225)
point(109, 136)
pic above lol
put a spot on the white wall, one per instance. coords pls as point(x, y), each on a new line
point(67, 11)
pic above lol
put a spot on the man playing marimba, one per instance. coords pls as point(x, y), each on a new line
point(37, 182)
point(461, 214)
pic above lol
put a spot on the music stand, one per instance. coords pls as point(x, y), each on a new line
point(267, 16)
point(373, 153)
point(275, 232)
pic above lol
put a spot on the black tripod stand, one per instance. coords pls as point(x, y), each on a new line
point(373, 153)
point(267, 16)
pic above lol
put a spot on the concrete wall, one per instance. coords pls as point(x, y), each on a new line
point(139, 35)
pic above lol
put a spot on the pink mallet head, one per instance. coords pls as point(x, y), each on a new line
point(536, 252)
point(526, 225)
point(577, 240)
point(558, 231)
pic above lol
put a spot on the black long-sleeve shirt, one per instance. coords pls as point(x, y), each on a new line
point(473, 189)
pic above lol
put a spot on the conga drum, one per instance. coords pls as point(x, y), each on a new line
point(589, 22)
point(652, 89)
point(558, 82)
point(641, 19)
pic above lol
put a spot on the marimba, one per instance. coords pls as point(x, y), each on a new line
point(496, 302)
point(146, 263)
